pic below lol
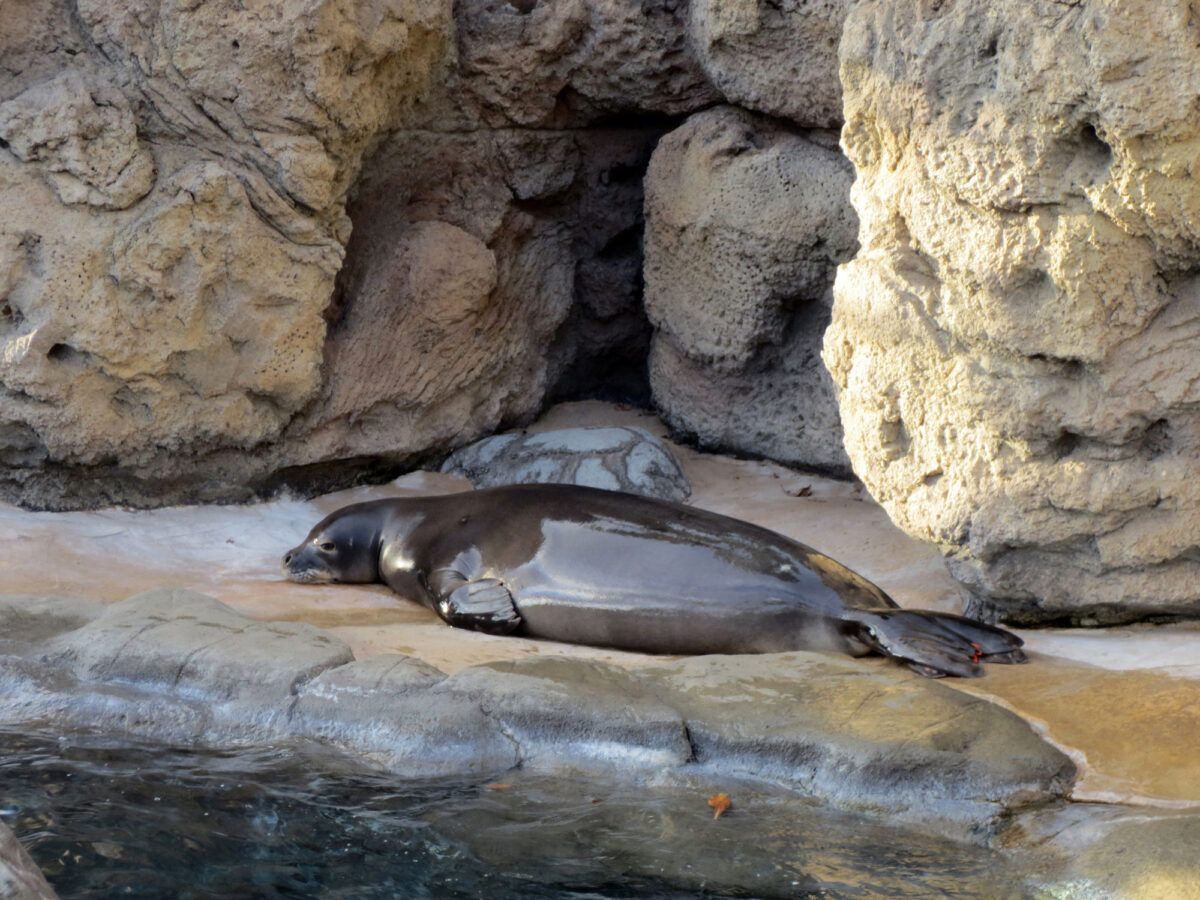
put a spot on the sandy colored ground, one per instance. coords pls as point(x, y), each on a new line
point(1124, 702)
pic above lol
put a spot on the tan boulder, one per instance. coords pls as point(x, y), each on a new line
point(1014, 343)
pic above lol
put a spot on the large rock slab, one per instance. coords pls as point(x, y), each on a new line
point(178, 666)
point(612, 458)
point(745, 222)
point(863, 738)
point(387, 709)
point(1109, 850)
point(1013, 345)
point(192, 644)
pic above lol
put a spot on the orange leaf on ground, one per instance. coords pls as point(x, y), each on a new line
point(499, 786)
point(720, 804)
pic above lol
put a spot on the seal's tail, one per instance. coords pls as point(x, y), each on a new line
point(936, 644)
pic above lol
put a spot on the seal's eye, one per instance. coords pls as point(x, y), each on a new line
point(327, 546)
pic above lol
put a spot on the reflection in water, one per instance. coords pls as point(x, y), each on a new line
point(105, 819)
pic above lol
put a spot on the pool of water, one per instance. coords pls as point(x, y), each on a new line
point(105, 818)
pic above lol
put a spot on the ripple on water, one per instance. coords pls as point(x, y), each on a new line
point(108, 819)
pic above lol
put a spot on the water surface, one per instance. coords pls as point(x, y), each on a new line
point(105, 818)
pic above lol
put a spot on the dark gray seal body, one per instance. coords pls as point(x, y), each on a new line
point(617, 570)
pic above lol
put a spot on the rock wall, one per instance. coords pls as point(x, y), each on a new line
point(185, 314)
point(313, 240)
point(1015, 342)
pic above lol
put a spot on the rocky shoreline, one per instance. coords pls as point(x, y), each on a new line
point(181, 667)
point(851, 736)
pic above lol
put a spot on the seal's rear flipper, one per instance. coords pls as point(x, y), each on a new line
point(936, 644)
point(484, 604)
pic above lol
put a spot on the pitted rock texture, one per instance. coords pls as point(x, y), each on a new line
point(1014, 344)
point(184, 315)
point(614, 459)
point(85, 136)
point(563, 63)
point(20, 878)
point(175, 179)
point(178, 666)
point(778, 57)
point(745, 222)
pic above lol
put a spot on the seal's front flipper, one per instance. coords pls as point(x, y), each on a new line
point(936, 644)
point(482, 604)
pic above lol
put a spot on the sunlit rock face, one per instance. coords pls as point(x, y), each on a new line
point(746, 222)
point(174, 179)
point(1015, 343)
point(746, 219)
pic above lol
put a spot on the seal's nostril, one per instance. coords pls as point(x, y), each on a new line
point(287, 558)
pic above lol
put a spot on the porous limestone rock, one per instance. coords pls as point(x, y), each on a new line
point(778, 57)
point(1014, 346)
point(555, 63)
point(745, 222)
point(85, 137)
point(172, 322)
point(610, 458)
point(175, 179)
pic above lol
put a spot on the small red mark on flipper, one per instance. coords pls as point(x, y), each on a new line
point(978, 652)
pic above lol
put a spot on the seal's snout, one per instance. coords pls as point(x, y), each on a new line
point(290, 564)
point(305, 565)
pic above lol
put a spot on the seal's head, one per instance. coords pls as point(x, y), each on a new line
point(342, 547)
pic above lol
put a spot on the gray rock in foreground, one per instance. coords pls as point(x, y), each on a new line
point(20, 878)
point(179, 666)
point(615, 458)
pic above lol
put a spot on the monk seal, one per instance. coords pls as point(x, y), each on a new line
point(610, 569)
